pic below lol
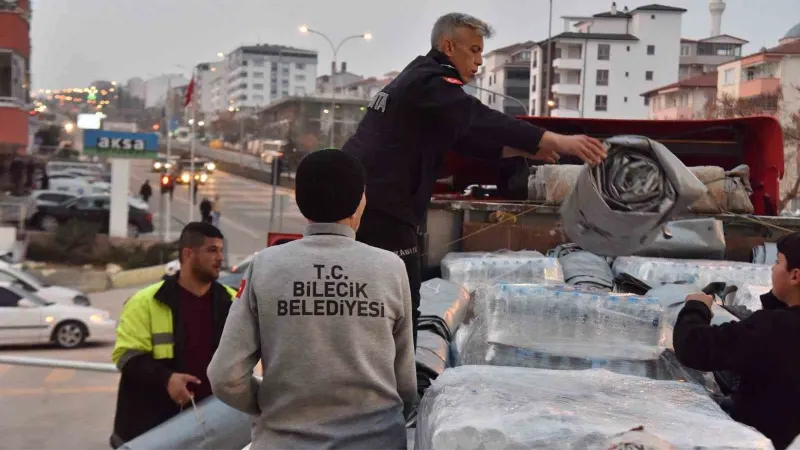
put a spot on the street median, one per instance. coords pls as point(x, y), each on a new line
point(136, 277)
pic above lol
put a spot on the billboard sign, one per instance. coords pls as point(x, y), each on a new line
point(119, 144)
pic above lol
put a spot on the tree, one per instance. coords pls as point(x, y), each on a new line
point(784, 106)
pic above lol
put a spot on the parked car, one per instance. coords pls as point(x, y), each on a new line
point(61, 166)
point(31, 283)
point(69, 182)
point(26, 318)
point(92, 209)
point(230, 278)
point(51, 198)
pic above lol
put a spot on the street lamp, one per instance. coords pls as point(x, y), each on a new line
point(335, 48)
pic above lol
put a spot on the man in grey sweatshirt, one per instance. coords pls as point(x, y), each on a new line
point(330, 319)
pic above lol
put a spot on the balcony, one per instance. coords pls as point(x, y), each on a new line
point(567, 88)
point(564, 112)
point(759, 86)
point(568, 63)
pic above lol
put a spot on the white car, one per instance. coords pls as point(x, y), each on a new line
point(52, 198)
point(30, 283)
point(26, 318)
point(69, 182)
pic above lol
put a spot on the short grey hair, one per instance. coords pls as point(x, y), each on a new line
point(448, 23)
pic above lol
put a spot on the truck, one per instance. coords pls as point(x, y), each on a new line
point(460, 222)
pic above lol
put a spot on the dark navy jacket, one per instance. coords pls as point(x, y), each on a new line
point(413, 121)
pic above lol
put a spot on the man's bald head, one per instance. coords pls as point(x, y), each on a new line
point(460, 37)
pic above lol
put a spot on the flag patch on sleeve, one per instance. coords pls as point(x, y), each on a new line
point(452, 80)
point(241, 288)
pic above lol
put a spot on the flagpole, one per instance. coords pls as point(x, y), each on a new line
point(191, 148)
point(167, 219)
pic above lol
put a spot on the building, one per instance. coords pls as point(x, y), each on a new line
point(15, 54)
point(257, 75)
point(506, 71)
point(602, 63)
point(155, 91)
point(341, 78)
point(136, 88)
point(704, 55)
point(367, 88)
point(306, 120)
point(208, 76)
point(688, 98)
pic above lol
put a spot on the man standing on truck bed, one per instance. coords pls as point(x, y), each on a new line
point(422, 114)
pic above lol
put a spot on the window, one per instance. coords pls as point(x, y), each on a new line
point(647, 101)
point(651, 49)
point(258, 63)
point(258, 86)
point(685, 50)
point(628, 48)
point(274, 67)
point(284, 83)
point(653, 16)
point(285, 71)
point(12, 77)
point(627, 74)
point(258, 74)
point(8, 299)
point(533, 83)
point(602, 77)
point(729, 76)
point(300, 77)
point(601, 103)
point(626, 99)
point(300, 66)
point(604, 52)
point(258, 98)
point(285, 93)
point(557, 54)
point(648, 75)
point(535, 60)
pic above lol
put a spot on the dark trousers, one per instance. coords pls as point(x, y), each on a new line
point(383, 231)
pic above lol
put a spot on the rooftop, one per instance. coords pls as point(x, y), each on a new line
point(701, 81)
point(268, 49)
point(593, 36)
point(512, 48)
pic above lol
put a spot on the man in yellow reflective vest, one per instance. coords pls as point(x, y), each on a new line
point(167, 334)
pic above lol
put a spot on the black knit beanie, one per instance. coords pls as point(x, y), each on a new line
point(329, 185)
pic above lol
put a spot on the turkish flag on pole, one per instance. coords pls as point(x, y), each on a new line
point(189, 93)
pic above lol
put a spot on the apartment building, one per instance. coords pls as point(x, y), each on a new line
point(602, 63)
point(702, 56)
point(506, 71)
point(366, 88)
point(207, 77)
point(15, 53)
point(688, 98)
point(337, 79)
point(257, 75)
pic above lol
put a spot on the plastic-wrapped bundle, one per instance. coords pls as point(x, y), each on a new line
point(727, 191)
point(515, 408)
point(443, 306)
point(765, 254)
point(618, 207)
point(432, 358)
point(559, 327)
point(701, 272)
point(472, 269)
point(582, 268)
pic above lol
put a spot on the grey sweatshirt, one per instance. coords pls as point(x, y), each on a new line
point(330, 319)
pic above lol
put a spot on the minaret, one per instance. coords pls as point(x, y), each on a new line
point(716, 7)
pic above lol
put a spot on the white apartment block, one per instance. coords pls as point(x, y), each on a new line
point(506, 71)
point(260, 74)
point(704, 55)
point(602, 63)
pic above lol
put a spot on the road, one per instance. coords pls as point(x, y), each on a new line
point(245, 207)
point(60, 408)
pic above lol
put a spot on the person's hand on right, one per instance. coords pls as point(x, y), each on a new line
point(588, 149)
point(177, 387)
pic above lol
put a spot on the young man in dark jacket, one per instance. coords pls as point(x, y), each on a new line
point(761, 349)
point(166, 337)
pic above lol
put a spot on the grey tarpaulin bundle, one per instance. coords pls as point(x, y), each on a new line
point(212, 425)
point(619, 206)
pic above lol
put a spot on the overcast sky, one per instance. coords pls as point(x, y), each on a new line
point(78, 41)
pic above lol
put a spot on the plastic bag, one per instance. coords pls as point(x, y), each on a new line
point(618, 207)
point(491, 408)
point(552, 184)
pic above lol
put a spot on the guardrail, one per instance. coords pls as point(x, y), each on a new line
point(52, 363)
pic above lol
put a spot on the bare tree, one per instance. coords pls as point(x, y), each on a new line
point(772, 104)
